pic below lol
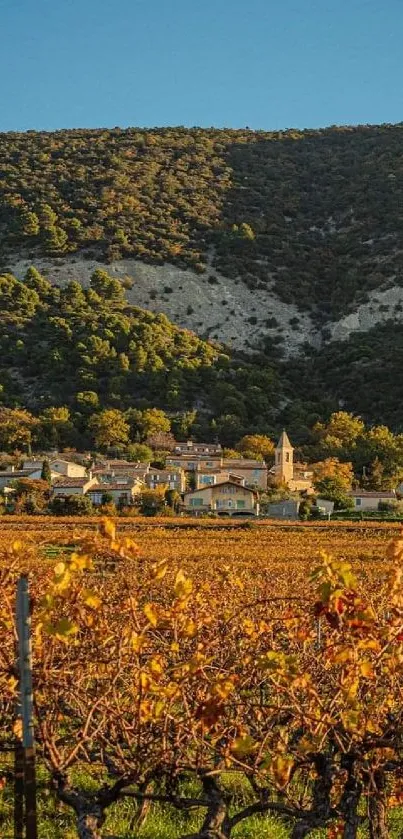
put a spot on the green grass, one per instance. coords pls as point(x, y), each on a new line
point(57, 821)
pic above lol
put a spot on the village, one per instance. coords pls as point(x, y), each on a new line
point(198, 479)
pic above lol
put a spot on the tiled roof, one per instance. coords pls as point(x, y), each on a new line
point(244, 464)
point(21, 473)
point(363, 493)
point(108, 487)
point(220, 485)
point(72, 482)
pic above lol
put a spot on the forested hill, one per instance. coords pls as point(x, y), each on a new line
point(314, 215)
point(85, 351)
point(282, 243)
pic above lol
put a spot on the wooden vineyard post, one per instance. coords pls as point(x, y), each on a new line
point(18, 791)
point(26, 699)
point(18, 772)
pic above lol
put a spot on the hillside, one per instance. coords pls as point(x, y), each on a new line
point(315, 215)
point(88, 350)
point(285, 243)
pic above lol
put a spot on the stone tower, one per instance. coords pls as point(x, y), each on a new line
point(284, 465)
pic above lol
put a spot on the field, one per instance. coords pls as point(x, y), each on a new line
point(219, 663)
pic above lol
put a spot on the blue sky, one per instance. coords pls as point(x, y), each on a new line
point(263, 63)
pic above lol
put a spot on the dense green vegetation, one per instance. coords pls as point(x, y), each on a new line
point(87, 364)
point(72, 356)
point(361, 375)
point(319, 213)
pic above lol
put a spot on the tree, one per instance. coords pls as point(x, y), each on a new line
point(257, 446)
point(153, 422)
point(339, 435)
point(72, 505)
point(151, 501)
point(182, 424)
point(333, 480)
point(16, 429)
point(173, 498)
point(87, 401)
point(31, 495)
point(46, 474)
point(147, 424)
point(229, 428)
point(333, 468)
point(109, 428)
point(107, 287)
point(139, 452)
point(56, 428)
point(379, 458)
point(33, 279)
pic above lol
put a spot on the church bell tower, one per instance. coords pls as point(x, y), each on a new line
point(284, 454)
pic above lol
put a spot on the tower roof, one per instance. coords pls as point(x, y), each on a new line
point(284, 442)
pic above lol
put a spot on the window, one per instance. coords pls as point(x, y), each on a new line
point(358, 502)
point(207, 479)
point(240, 505)
point(196, 502)
point(287, 457)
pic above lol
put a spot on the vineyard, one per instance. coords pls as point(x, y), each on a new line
point(207, 681)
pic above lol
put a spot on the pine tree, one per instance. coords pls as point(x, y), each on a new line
point(46, 474)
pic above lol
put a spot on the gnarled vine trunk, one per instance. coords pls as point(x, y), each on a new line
point(377, 806)
point(351, 798)
point(321, 809)
point(89, 820)
point(216, 824)
point(89, 809)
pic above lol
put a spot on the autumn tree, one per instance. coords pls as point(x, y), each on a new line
point(257, 446)
point(338, 436)
point(332, 480)
point(147, 424)
point(17, 429)
point(32, 495)
point(109, 428)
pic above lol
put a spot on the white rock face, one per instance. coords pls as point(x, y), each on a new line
point(225, 310)
point(222, 310)
point(381, 307)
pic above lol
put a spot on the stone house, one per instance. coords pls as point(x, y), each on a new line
point(113, 473)
point(121, 492)
point(253, 471)
point(365, 500)
point(191, 462)
point(189, 447)
point(227, 498)
point(168, 478)
point(67, 468)
point(72, 486)
point(9, 475)
point(209, 477)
